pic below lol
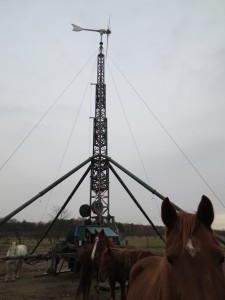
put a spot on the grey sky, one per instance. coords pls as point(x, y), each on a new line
point(171, 52)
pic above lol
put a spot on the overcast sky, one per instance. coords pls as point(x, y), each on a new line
point(165, 77)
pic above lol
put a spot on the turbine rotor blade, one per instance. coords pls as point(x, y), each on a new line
point(76, 28)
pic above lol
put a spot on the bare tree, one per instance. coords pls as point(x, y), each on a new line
point(55, 210)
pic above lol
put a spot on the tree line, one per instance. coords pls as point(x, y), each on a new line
point(25, 229)
point(13, 228)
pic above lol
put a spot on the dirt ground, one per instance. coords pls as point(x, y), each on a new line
point(34, 285)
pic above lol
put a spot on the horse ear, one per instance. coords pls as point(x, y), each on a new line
point(103, 232)
point(168, 213)
point(205, 212)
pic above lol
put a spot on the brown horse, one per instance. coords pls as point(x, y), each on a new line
point(116, 264)
point(89, 266)
point(191, 267)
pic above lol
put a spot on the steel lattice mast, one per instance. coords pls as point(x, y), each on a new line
point(99, 181)
point(99, 186)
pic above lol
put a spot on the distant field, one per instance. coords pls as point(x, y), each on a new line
point(153, 243)
point(44, 247)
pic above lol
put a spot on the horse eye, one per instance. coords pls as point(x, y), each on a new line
point(221, 259)
point(170, 259)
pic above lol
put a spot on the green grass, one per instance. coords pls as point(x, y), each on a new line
point(156, 245)
point(43, 248)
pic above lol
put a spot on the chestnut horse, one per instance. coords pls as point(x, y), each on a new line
point(116, 264)
point(89, 266)
point(192, 266)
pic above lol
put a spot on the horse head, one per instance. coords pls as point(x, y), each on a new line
point(12, 249)
point(193, 256)
point(101, 241)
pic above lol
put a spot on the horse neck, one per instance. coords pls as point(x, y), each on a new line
point(160, 280)
point(125, 258)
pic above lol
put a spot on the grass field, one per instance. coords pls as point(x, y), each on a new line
point(44, 247)
point(155, 244)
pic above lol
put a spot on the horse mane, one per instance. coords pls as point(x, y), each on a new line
point(105, 239)
point(184, 228)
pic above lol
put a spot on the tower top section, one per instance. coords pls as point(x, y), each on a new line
point(101, 31)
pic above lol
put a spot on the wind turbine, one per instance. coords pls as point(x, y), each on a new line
point(101, 31)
